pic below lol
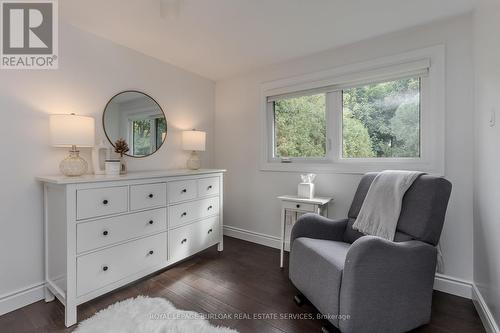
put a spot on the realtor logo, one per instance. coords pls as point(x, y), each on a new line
point(29, 34)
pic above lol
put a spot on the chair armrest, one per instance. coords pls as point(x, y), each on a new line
point(316, 226)
point(386, 281)
point(372, 251)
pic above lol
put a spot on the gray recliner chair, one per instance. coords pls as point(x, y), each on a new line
point(366, 283)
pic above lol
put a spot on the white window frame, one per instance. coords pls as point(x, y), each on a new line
point(330, 130)
point(432, 115)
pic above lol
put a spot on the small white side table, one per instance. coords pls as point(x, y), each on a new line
point(294, 203)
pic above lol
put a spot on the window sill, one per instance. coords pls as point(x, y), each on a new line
point(353, 167)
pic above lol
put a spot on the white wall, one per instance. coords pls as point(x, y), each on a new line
point(487, 175)
point(250, 200)
point(91, 71)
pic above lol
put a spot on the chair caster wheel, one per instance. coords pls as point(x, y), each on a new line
point(299, 300)
point(328, 328)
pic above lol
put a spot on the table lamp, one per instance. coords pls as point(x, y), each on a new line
point(194, 141)
point(70, 130)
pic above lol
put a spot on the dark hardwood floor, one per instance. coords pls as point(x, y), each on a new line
point(245, 278)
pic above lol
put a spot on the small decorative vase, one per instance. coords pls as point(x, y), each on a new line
point(123, 165)
point(100, 154)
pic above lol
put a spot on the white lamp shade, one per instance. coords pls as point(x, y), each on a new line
point(194, 140)
point(67, 130)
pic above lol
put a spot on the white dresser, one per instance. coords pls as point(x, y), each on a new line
point(102, 233)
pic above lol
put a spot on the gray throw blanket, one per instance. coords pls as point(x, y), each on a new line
point(380, 211)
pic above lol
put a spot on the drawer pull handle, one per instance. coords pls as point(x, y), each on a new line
point(298, 206)
point(150, 196)
point(210, 207)
point(151, 252)
point(105, 202)
point(105, 268)
point(151, 222)
point(105, 233)
point(184, 214)
point(184, 191)
point(210, 230)
point(184, 241)
point(209, 187)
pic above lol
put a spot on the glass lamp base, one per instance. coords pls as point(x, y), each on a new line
point(194, 162)
point(73, 165)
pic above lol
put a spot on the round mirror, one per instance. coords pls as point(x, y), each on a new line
point(136, 118)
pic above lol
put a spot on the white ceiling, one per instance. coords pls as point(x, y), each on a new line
point(221, 38)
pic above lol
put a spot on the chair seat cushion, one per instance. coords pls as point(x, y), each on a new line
point(316, 267)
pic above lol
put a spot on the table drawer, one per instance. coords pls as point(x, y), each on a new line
point(108, 231)
point(101, 201)
point(99, 269)
point(304, 207)
point(183, 213)
point(187, 240)
point(181, 190)
point(148, 196)
point(208, 186)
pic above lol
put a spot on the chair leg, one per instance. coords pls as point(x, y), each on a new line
point(299, 299)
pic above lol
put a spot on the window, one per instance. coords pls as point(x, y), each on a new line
point(379, 120)
point(385, 114)
point(382, 120)
point(300, 127)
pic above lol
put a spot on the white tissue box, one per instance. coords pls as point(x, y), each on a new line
point(306, 190)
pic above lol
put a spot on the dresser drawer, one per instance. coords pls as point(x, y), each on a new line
point(183, 213)
point(208, 186)
point(304, 207)
point(187, 240)
point(209, 232)
point(101, 201)
point(148, 196)
point(181, 190)
point(99, 269)
point(95, 234)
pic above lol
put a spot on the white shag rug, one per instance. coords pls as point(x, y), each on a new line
point(147, 315)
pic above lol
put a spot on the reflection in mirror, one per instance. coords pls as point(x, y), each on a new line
point(138, 119)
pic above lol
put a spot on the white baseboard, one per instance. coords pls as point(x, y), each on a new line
point(452, 285)
point(22, 297)
point(252, 236)
point(484, 312)
point(442, 282)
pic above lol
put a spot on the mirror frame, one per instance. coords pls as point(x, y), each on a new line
point(154, 100)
